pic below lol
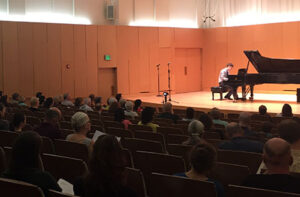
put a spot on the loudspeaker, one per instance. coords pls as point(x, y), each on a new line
point(298, 95)
point(110, 12)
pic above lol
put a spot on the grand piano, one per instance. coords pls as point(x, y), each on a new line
point(279, 71)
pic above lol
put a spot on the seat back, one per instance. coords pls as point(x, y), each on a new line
point(66, 125)
point(64, 167)
point(176, 138)
point(149, 162)
point(169, 130)
point(235, 191)
point(135, 127)
point(65, 132)
point(53, 193)
point(33, 121)
point(180, 150)
point(128, 157)
point(252, 160)
point(211, 135)
point(119, 132)
point(166, 185)
point(47, 146)
point(113, 124)
point(12, 188)
point(134, 145)
point(157, 137)
point(71, 149)
point(135, 181)
point(3, 161)
point(229, 173)
point(7, 138)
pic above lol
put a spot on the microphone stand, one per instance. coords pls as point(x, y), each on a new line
point(158, 81)
point(169, 81)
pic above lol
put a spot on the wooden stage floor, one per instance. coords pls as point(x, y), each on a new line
point(203, 101)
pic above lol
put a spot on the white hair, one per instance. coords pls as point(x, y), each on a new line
point(79, 120)
point(87, 101)
point(195, 128)
point(129, 106)
point(112, 100)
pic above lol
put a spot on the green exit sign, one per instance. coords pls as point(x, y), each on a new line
point(107, 57)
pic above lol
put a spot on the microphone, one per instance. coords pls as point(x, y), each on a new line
point(169, 63)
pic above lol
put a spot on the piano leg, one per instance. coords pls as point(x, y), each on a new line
point(244, 93)
point(251, 92)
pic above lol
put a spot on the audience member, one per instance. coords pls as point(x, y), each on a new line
point(34, 104)
point(41, 98)
point(25, 163)
point(286, 111)
point(98, 100)
point(147, 117)
point(195, 131)
point(206, 121)
point(237, 140)
point(262, 115)
point(216, 116)
point(57, 100)
point(203, 158)
point(122, 103)
point(22, 101)
point(58, 111)
point(189, 114)
point(138, 105)
point(120, 117)
point(48, 103)
point(262, 110)
point(15, 99)
point(67, 100)
point(289, 130)
point(168, 112)
point(49, 128)
point(92, 97)
point(129, 110)
point(86, 105)
point(113, 107)
point(118, 97)
point(98, 108)
point(244, 122)
point(78, 102)
point(81, 124)
point(277, 157)
point(106, 176)
point(267, 128)
point(4, 125)
point(18, 122)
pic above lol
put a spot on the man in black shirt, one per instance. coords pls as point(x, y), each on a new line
point(277, 157)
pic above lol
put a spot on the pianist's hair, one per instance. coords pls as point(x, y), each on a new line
point(229, 64)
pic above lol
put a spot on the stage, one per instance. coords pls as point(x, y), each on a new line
point(203, 101)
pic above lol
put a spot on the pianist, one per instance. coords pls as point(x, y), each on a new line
point(223, 77)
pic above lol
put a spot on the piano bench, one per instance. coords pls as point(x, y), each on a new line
point(217, 89)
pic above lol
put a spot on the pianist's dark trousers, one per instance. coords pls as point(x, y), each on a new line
point(231, 90)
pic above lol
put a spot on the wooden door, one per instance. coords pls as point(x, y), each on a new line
point(107, 83)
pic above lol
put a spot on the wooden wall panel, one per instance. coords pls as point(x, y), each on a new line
point(107, 45)
point(188, 38)
point(1, 60)
point(67, 59)
point(54, 59)
point(80, 61)
point(10, 57)
point(166, 37)
point(92, 59)
point(26, 74)
point(40, 51)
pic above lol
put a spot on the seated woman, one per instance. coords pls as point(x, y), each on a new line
point(106, 175)
point(18, 122)
point(25, 163)
point(147, 117)
point(138, 105)
point(129, 110)
point(202, 159)
point(81, 124)
point(190, 112)
point(120, 117)
point(195, 131)
point(286, 111)
point(4, 125)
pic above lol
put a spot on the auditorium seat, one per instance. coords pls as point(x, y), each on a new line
point(236, 191)
point(13, 188)
point(169, 130)
point(134, 144)
point(211, 135)
point(107, 118)
point(215, 142)
point(47, 145)
point(252, 160)
point(176, 138)
point(149, 162)
point(8, 152)
point(128, 157)
point(96, 122)
point(135, 127)
point(65, 132)
point(3, 161)
point(113, 124)
point(135, 181)
point(71, 149)
point(39, 114)
point(95, 128)
point(53, 193)
point(33, 121)
point(66, 125)
point(233, 116)
point(150, 136)
point(119, 132)
point(167, 185)
point(227, 173)
point(27, 127)
point(180, 150)
point(63, 167)
point(7, 138)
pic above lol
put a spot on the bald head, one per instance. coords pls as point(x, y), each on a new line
point(233, 129)
point(277, 154)
point(245, 118)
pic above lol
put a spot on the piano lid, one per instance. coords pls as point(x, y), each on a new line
point(269, 65)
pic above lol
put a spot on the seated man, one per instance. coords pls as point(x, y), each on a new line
point(223, 77)
point(237, 140)
point(67, 101)
point(168, 112)
point(49, 128)
point(277, 157)
point(216, 116)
